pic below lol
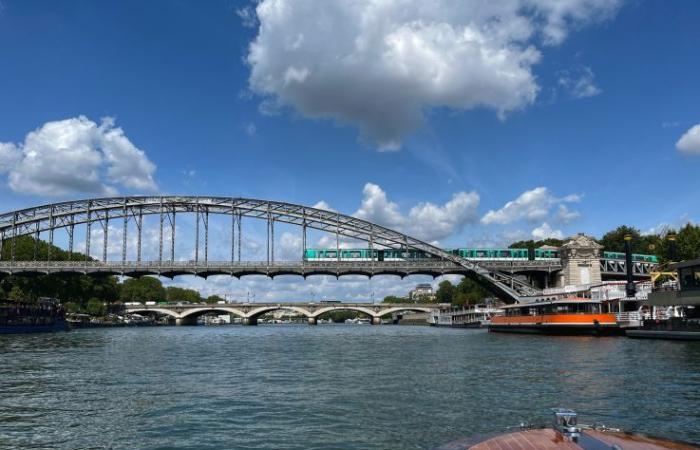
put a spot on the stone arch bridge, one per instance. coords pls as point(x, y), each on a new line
point(250, 312)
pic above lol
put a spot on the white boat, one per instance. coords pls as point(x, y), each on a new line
point(477, 316)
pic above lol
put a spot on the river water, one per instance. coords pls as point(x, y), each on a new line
point(329, 386)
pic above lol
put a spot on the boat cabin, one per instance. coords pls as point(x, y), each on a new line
point(572, 305)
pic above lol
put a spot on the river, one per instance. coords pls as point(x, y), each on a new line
point(329, 386)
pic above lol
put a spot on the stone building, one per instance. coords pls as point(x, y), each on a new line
point(580, 258)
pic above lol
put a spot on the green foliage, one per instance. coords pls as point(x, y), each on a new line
point(176, 294)
point(213, 299)
point(72, 307)
point(467, 292)
point(74, 288)
point(687, 243)
point(530, 244)
point(96, 307)
point(144, 289)
point(394, 299)
point(16, 294)
point(445, 292)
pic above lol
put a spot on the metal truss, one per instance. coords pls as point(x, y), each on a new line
point(100, 211)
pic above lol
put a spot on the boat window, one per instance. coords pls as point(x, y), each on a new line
point(686, 277)
point(696, 280)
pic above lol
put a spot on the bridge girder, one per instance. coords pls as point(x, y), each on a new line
point(101, 210)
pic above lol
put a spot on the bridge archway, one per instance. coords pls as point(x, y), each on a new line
point(150, 311)
point(99, 212)
point(388, 311)
point(196, 312)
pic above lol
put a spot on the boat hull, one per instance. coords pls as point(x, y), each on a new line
point(29, 328)
point(672, 335)
point(559, 330)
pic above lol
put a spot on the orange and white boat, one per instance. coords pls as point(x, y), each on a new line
point(564, 316)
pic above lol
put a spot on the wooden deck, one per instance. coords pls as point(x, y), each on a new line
point(549, 439)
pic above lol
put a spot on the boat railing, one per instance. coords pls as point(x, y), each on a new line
point(628, 316)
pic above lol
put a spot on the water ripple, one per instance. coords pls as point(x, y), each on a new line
point(328, 387)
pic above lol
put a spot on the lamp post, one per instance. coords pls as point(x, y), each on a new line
point(630, 289)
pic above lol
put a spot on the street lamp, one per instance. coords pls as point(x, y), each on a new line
point(630, 289)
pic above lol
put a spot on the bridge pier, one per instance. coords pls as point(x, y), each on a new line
point(313, 321)
point(250, 321)
point(376, 320)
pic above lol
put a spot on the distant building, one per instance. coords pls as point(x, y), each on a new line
point(423, 291)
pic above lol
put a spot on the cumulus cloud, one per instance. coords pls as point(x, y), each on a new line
point(377, 208)
point(545, 231)
point(323, 205)
point(580, 83)
point(533, 205)
point(380, 64)
point(689, 143)
point(565, 215)
point(76, 156)
point(426, 220)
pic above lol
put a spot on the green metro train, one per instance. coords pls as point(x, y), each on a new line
point(481, 254)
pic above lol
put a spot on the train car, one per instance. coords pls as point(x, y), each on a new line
point(635, 257)
point(546, 253)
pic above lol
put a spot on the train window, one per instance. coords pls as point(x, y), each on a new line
point(481, 254)
point(330, 254)
point(355, 254)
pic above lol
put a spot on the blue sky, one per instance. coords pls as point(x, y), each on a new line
point(580, 112)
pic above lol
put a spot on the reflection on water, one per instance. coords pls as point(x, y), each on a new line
point(333, 386)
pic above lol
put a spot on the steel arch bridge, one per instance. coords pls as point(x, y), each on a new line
point(99, 212)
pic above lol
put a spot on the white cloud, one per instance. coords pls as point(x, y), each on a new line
point(580, 83)
point(9, 156)
point(290, 247)
point(380, 64)
point(565, 215)
point(532, 206)
point(377, 208)
point(545, 231)
point(76, 156)
point(689, 143)
point(323, 205)
point(426, 220)
point(434, 222)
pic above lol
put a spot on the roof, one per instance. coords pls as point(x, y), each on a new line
point(563, 301)
point(689, 263)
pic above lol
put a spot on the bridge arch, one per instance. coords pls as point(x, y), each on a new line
point(99, 211)
point(161, 311)
point(257, 312)
point(392, 310)
point(212, 309)
point(365, 310)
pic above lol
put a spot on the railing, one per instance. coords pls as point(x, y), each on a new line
point(629, 316)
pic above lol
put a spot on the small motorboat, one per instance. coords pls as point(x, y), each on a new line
point(566, 433)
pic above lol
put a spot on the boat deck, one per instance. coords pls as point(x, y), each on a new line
point(547, 438)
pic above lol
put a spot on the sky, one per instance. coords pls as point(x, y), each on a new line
point(472, 123)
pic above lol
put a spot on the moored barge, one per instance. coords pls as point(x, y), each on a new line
point(570, 316)
point(44, 315)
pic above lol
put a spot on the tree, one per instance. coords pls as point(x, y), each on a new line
point(393, 299)
point(530, 244)
point(96, 307)
point(177, 294)
point(687, 242)
point(16, 294)
point(445, 292)
point(213, 299)
point(144, 289)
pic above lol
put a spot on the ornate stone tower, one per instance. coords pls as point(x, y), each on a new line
point(580, 258)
